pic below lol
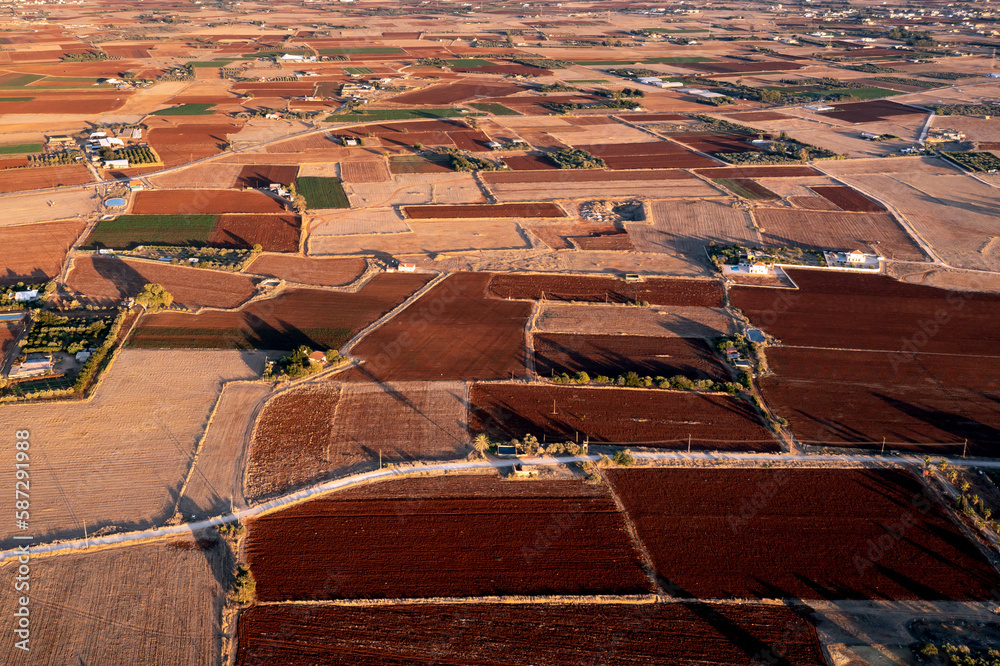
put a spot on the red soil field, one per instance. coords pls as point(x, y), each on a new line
point(506, 70)
point(39, 178)
point(847, 199)
point(928, 402)
point(651, 117)
point(647, 417)
point(188, 202)
point(35, 252)
point(405, 127)
point(614, 355)
point(274, 233)
point(657, 291)
point(13, 163)
point(450, 93)
point(583, 176)
point(108, 280)
point(189, 142)
point(742, 67)
point(530, 163)
point(812, 203)
point(317, 318)
point(614, 241)
point(685, 160)
point(307, 270)
point(716, 143)
point(837, 230)
point(473, 141)
point(873, 312)
point(759, 191)
point(9, 331)
point(683, 634)
point(458, 543)
point(869, 112)
point(757, 116)
point(426, 138)
point(478, 211)
point(759, 172)
point(262, 175)
point(801, 533)
point(364, 172)
point(454, 331)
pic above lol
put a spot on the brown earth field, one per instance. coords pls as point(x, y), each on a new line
point(847, 199)
point(335, 272)
point(716, 143)
point(449, 93)
point(759, 172)
point(40, 178)
point(90, 103)
point(613, 355)
point(872, 111)
point(189, 202)
point(368, 171)
point(683, 634)
point(35, 252)
point(657, 291)
point(604, 240)
point(465, 541)
point(100, 608)
point(262, 175)
point(849, 311)
point(583, 176)
point(651, 117)
point(647, 417)
point(316, 318)
point(651, 155)
point(801, 533)
point(189, 142)
point(751, 186)
point(474, 211)
point(274, 233)
point(310, 434)
point(918, 402)
point(454, 331)
point(835, 230)
point(108, 280)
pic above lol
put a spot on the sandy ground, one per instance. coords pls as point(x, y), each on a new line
point(120, 459)
point(349, 222)
point(945, 278)
point(150, 604)
point(426, 238)
point(647, 189)
point(216, 479)
point(416, 189)
point(214, 175)
point(66, 204)
point(907, 165)
point(599, 319)
point(146, 100)
point(683, 228)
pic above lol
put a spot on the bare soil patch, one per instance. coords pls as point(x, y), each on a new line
point(35, 252)
point(822, 230)
point(274, 233)
point(658, 291)
point(674, 321)
point(334, 272)
point(170, 202)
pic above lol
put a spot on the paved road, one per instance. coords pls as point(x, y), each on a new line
point(340, 484)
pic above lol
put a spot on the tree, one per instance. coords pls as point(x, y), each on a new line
point(299, 203)
point(624, 458)
point(244, 587)
point(769, 96)
point(481, 443)
point(153, 297)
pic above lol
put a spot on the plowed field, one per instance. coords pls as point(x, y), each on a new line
point(364, 172)
point(35, 252)
point(651, 155)
point(39, 178)
point(759, 172)
point(527, 635)
point(319, 319)
point(467, 542)
point(614, 355)
point(834, 230)
point(651, 417)
point(274, 233)
point(262, 175)
point(108, 280)
point(658, 291)
point(476, 211)
point(873, 312)
point(454, 331)
point(187, 202)
point(802, 533)
point(874, 111)
point(309, 270)
point(847, 199)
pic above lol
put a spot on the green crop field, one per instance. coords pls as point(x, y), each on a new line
point(16, 99)
point(186, 110)
point(20, 148)
point(393, 114)
point(222, 62)
point(20, 81)
point(359, 70)
point(495, 109)
point(322, 192)
point(127, 231)
point(362, 50)
point(468, 62)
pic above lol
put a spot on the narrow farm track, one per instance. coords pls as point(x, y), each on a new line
point(457, 466)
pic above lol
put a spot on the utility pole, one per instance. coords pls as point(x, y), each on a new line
point(689, 443)
point(380, 458)
point(883, 446)
point(965, 446)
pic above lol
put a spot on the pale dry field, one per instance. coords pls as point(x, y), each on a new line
point(404, 420)
point(911, 165)
point(660, 189)
point(66, 204)
point(216, 481)
point(661, 321)
point(366, 171)
point(794, 187)
point(321, 170)
point(971, 92)
point(976, 128)
point(146, 100)
point(613, 132)
point(426, 238)
point(262, 130)
point(213, 175)
point(684, 228)
point(120, 459)
point(956, 215)
point(157, 603)
point(449, 188)
point(542, 259)
point(351, 222)
point(847, 140)
point(945, 278)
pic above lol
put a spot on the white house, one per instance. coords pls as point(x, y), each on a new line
point(115, 164)
point(758, 268)
point(856, 257)
point(25, 296)
point(650, 80)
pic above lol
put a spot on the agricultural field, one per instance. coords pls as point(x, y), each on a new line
point(309, 270)
point(562, 183)
point(643, 417)
point(599, 319)
point(23, 258)
point(316, 318)
point(274, 233)
point(128, 231)
point(127, 476)
point(109, 280)
point(708, 541)
point(484, 211)
point(454, 331)
point(322, 192)
point(524, 634)
point(200, 202)
point(100, 607)
point(458, 541)
point(657, 291)
point(687, 227)
point(832, 230)
point(41, 178)
point(368, 171)
point(614, 355)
